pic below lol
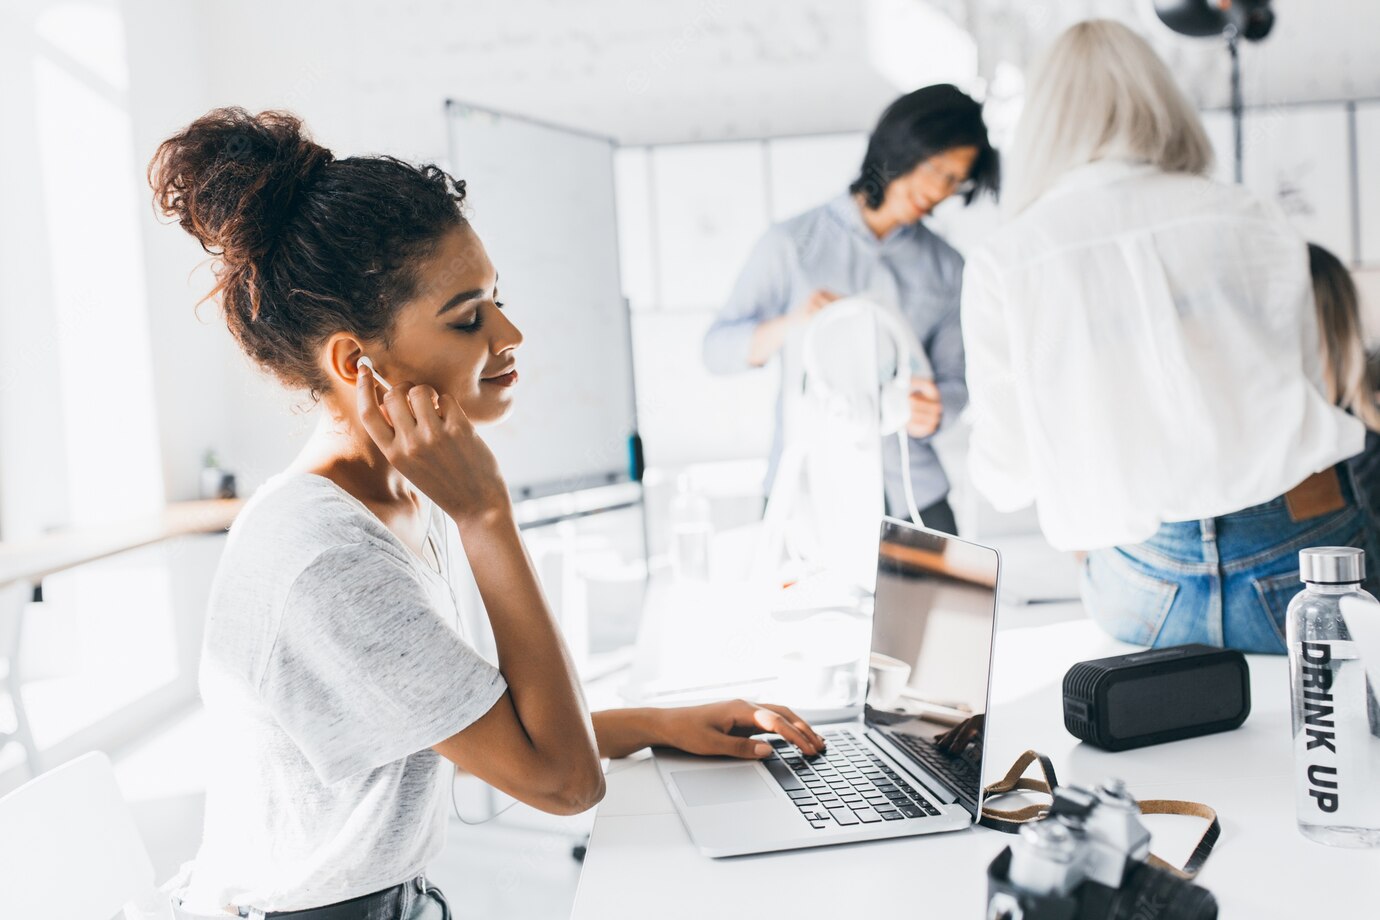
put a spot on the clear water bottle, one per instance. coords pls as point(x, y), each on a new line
point(1336, 735)
point(691, 533)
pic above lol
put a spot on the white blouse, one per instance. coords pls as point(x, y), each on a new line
point(1142, 348)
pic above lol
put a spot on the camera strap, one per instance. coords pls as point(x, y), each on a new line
point(1009, 821)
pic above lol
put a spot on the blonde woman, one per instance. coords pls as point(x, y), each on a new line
point(1143, 360)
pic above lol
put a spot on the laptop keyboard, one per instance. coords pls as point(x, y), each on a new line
point(960, 773)
point(848, 784)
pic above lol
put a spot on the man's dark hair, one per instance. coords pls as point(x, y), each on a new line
point(920, 125)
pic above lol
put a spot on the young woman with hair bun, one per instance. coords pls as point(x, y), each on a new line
point(340, 694)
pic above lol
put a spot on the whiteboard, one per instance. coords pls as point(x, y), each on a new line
point(542, 200)
point(711, 208)
point(1298, 156)
point(689, 415)
point(804, 172)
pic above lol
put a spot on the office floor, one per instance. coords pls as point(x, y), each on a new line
point(516, 867)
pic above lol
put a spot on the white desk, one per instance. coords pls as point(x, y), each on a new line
point(641, 861)
point(25, 563)
point(30, 561)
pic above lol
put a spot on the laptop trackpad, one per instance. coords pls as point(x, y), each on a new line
point(721, 785)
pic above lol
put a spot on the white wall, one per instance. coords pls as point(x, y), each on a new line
point(33, 491)
point(210, 396)
point(141, 74)
point(167, 80)
point(204, 395)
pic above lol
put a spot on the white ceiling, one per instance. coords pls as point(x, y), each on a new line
point(698, 69)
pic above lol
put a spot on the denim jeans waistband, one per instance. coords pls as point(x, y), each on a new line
point(1235, 538)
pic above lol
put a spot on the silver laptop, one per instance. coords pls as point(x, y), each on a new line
point(911, 761)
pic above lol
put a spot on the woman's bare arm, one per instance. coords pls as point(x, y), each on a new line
point(537, 742)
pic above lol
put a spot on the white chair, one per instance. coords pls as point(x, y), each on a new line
point(69, 848)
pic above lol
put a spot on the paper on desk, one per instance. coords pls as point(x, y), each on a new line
point(1362, 617)
point(818, 591)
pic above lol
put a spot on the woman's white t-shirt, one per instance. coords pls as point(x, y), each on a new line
point(331, 665)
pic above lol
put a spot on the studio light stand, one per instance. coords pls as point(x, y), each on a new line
point(1233, 20)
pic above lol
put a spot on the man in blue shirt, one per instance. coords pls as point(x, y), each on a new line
point(928, 145)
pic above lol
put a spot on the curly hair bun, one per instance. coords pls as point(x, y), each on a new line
point(305, 245)
point(232, 179)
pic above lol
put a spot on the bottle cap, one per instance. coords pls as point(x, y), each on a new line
point(1332, 565)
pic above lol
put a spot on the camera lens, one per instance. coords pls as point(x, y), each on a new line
point(1148, 893)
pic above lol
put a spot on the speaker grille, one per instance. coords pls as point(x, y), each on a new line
point(1079, 684)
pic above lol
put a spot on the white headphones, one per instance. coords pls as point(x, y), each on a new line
point(828, 358)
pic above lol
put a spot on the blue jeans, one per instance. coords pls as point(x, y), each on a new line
point(1224, 581)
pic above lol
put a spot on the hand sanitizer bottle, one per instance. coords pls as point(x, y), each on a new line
point(691, 533)
point(1336, 719)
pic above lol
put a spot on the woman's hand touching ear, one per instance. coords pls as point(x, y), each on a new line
point(427, 437)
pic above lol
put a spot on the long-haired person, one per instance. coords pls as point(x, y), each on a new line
point(1143, 360)
point(1352, 381)
point(871, 240)
point(340, 693)
point(1349, 377)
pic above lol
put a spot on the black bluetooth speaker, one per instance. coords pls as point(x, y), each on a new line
point(1160, 695)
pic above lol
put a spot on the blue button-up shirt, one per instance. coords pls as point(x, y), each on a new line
point(831, 247)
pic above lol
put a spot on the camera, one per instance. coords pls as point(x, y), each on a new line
point(1087, 860)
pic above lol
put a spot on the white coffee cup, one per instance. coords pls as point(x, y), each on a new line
point(887, 677)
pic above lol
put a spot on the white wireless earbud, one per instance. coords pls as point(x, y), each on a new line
point(364, 361)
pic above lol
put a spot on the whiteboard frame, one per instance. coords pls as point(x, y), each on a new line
point(524, 492)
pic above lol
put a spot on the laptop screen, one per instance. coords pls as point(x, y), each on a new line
point(932, 626)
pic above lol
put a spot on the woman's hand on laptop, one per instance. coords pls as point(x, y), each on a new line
point(721, 729)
